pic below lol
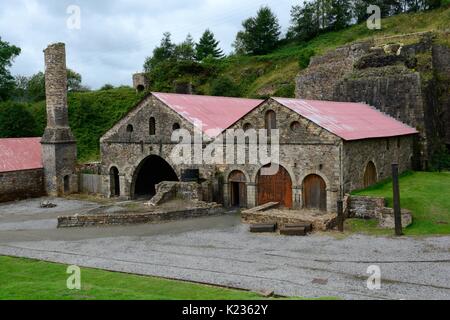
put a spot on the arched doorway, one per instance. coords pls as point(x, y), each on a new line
point(314, 193)
point(114, 182)
point(370, 175)
point(149, 173)
point(238, 189)
point(66, 184)
point(275, 188)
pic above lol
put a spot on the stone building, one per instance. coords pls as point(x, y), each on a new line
point(326, 149)
point(21, 169)
point(140, 82)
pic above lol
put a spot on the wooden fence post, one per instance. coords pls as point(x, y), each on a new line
point(396, 194)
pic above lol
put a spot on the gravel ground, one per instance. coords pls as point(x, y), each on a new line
point(220, 250)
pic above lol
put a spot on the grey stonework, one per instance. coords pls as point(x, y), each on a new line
point(140, 82)
point(23, 184)
point(308, 150)
point(399, 79)
point(59, 151)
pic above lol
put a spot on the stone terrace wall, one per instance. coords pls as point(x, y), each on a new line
point(21, 185)
point(365, 207)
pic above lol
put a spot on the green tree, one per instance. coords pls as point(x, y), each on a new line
point(225, 86)
point(208, 46)
point(36, 87)
point(16, 121)
point(74, 81)
point(107, 87)
point(340, 15)
point(7, 54)
point(261, 34)
point(304, 22)
point(185, 51)
point(165, 51)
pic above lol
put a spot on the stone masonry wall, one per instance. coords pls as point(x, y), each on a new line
point(382, 152)
point(21, 185)
point(395, 75)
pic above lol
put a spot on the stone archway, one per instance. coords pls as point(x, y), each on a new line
point(275, 188)
point(314, 193)
point(370, 175)
point(238, 189)
point(151, 171)
point(114, 181)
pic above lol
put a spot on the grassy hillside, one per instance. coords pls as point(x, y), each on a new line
point(93, 113)
point(422, 193)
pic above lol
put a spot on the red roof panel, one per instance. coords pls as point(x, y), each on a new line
point(350, 121)
point(215, 114)
point(20, 154)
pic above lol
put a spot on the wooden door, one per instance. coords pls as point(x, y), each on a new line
point(370, 175)
point(238, 189)
point(275, 188)
point(315, 193)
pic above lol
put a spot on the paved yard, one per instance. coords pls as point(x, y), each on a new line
point(219, 250)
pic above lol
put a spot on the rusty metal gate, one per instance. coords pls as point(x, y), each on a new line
point(238, 189)
point(370, 175)
point(315, 193)
point(275, 188)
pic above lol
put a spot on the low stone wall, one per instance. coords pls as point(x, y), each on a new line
point(365, 207)
point(169, 190)
point(374, 208)
point(98, 220)
point(19, 185)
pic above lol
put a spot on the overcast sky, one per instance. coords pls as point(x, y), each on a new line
point(115, 36)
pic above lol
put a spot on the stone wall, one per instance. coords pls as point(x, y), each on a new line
point(397, 75)
point(382, 152)
point(365, 207)
point(21, 185)
point(99, 220)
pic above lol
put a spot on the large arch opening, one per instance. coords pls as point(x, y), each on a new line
point(149, 173)
point(114, 182)
point(370, 175)
point(238, 189)
point(315, 193)
point(274, 188)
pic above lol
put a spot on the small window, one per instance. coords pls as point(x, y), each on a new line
point(130, 128)
point(176, 126)
point(295, 126)
point(271, 120)
point(248, 126)
point(388, 144)
point(398, 142)
point(152, 126)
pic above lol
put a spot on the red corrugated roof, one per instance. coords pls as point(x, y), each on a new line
point(214, 113)
point(350, 121)
point(20, 154)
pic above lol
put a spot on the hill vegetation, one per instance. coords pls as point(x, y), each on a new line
point(92, 113)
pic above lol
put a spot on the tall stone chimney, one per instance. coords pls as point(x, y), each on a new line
point(59, 149)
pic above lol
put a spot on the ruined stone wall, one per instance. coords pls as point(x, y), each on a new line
point(382, 152)
point(396, 75)
point(21, 185)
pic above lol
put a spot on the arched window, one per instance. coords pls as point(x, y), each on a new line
point(130, 128)
point(271, 120)
point(370, 175)
point(295, 126)
point(152, 126)
point(248, 126)
point(176, 126)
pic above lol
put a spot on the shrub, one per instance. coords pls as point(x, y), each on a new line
point(225, 86)
point(305, 57)
point(16, 121)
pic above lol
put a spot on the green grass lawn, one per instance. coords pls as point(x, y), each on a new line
point(426, 194)
point(24, 279)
